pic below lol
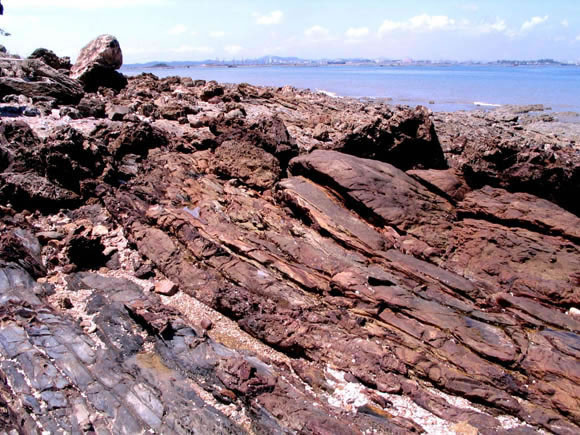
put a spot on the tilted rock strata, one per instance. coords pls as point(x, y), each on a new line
point(372, 297)
point(34, 78)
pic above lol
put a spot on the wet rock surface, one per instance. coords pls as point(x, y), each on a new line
point(191, 257)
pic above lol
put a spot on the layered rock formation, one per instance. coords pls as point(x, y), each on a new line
point(234, 259)
point(35, 79)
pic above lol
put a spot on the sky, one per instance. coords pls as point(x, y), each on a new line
point(167, 30)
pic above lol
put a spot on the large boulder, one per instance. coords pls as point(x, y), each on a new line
point(404, 137)
point(34, 78)
point(97, 64)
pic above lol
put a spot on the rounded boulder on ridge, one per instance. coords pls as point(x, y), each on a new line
point(97, 64)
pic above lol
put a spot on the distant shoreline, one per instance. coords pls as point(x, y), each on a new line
point(440, 87)
point(339, 65)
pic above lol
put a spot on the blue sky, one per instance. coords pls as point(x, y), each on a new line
point(202, 29)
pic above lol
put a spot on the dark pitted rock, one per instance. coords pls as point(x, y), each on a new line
point(22, 248)
point(51, 59)
point(91, 107)
point(210, 90)
point(33, 78)
point(19, 148)
point(174, 110)
point(267, 132)
point(530, 159)
point(250, 164)
point(25, 190)
point(126, 139)
point(68, 161)
point(97, 63)
point(271, 134)
point(405, 138)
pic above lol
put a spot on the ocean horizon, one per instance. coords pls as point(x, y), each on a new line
point(441, 87)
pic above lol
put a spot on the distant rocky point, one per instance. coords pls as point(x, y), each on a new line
point(183, 256)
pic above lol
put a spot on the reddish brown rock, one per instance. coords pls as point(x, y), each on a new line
point(488, 150)
point(522, 210)
point(345, 296)
point(448, 181)
point(405, 138)
point(166, 288)
point(251, 165)
point(318, 205)
point(380, 193)
point(97, 63)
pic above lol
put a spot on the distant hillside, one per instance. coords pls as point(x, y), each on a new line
point(292, 60)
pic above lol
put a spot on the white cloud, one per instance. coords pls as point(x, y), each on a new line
point(274, 17)
point(217, 34)
point(233, 49)
point(533, 22)
point(192, 49)
point(578, 38)
point(101, 4)
point(426, 22)
point(357, 32)
point(498, 25)
point(178, 29)
point(429, 23)
point(420, 23)
point(317, 32)
point(564, 23)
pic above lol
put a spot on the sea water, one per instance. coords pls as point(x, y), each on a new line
point(442, 88)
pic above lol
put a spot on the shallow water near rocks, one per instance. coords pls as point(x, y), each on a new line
point(451, 88)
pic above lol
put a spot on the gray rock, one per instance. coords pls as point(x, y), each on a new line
point(54, 400)
point(51, 59)
point(31, 112)
point(118, 113)
point(34, 78)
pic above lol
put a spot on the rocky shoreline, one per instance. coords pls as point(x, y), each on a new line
point(183, 256)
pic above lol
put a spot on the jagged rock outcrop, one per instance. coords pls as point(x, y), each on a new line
point(51, 59)
point(495, 150)
point(97, 64)
point(235, 259)
point(33, 78)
